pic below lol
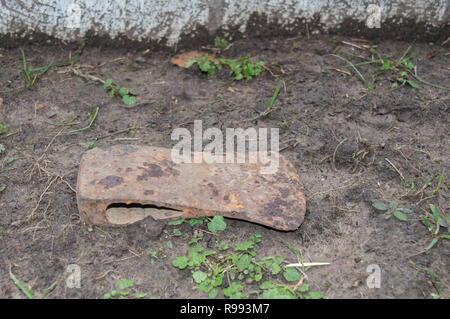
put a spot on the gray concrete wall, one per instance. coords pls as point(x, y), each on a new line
point(168, 19)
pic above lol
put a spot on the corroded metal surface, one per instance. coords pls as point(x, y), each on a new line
point(145, 175)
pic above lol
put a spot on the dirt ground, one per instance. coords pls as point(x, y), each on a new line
point(350, 149)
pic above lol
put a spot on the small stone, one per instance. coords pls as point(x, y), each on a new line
point(140, 59)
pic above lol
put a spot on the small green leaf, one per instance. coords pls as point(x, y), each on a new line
point(244, 246)
point(195, 221)
point(256, 238)
point(2, 187)
point(380, 206)
point(277, 293)
point(3, 129)
point(180, 262)
point(400, 215)
point(412, 84)
point(213, 293)
point(267, 285)
point(194, 240)
point(107, 83)
point(217, 224)
point(141, 295)
point(304, 288)
point(190, 63)
point(2, 148)
point(90, 145)
point(432, 243)
point(243, 262)
point(175, 222)
point(218, 280)
point(199, 276)
point(427, 223)
point(234, 291)
point(124, 284)
point(314, 295)
point(291, 274)
point(435, 213)
point(169, 244)
point(123, 91)
point(205, 285)
point(177, 232)
point(223, 246)
point(129, 100)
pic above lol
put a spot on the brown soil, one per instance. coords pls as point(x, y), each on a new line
point(322, 118)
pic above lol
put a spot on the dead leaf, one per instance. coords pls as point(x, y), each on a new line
point(183, 58)
point(41, 106)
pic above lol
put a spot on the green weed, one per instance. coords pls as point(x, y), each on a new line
point(439, 220)
point(123, 291)
point(128, 97)
point(241, 68)
point(393, 209)
point(402, 69)
point(230, 270)
point(32, 75)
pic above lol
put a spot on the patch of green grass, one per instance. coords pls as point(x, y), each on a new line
point(272, 100)
point(32, 75)
point(434, 278)
point(402, 70)
point(29, 292)
point(438, 220)
point(92, 117)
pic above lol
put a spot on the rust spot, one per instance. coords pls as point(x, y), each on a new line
point(215, 191)
point(151, 170)
point(172, 171)
point(111, 181)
